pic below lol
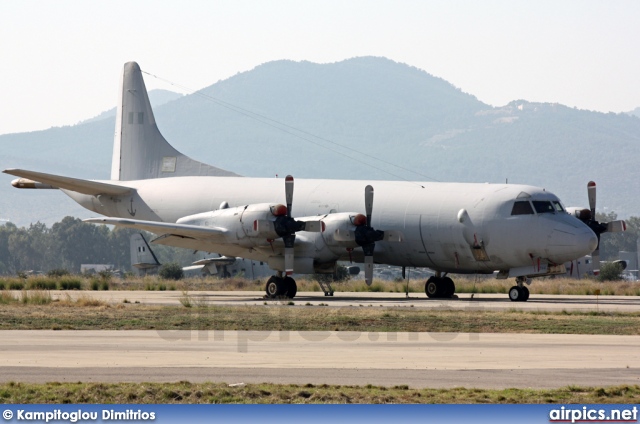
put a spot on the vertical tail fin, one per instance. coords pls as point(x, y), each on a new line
point(142, 257)
point(140, 151)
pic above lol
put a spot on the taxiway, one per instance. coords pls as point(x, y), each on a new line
point(416, 359)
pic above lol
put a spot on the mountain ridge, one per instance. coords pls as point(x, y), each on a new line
point(354, 108)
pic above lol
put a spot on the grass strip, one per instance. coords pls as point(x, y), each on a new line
point(196, 393)
point(96, 315)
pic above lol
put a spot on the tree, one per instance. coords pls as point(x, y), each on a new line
point(171, 271)
point(612, 243)
point(6, 260)
point(610, 271)
point(80, 243)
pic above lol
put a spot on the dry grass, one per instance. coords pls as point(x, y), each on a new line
point(90, 315)
point(464, 284)
point(199, 393)
point(43, 297)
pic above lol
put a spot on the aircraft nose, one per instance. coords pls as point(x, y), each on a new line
point(568, 242)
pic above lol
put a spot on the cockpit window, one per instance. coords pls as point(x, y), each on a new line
point(522, 208)
point(543, 206)
point(558, 206)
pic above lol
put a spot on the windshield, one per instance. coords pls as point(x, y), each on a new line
point(522, 207)
point(543, 206)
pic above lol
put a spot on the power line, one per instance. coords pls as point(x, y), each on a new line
point(296, 132)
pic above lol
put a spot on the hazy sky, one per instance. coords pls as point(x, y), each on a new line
point(60, 61)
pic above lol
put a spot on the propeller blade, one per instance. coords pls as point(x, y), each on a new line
point(591, 191)
point(368, 269)
point(616, 226)
point(368, 203)
point(288, 189)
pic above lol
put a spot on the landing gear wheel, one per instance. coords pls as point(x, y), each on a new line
point(290, 287)
point(516, 294)
point(449, 288)
point(275, 287)
point(525, 293)
point(431, 288)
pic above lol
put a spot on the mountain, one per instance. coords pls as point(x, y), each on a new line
point(352, 119)
point(156, 97)
point(635, 112)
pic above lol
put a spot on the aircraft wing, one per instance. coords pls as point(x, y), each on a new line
point(92, 188)
point(210, 234)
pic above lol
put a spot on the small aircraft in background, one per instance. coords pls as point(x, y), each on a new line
point(146, 262)
point(520, 231)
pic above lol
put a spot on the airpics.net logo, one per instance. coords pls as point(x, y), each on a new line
point(585, 414)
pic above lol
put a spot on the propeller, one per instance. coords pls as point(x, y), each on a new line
point(588, 216)
point(286, 227)
point(366, 236)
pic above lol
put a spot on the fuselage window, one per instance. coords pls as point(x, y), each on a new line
point(558, 206)
point(543, 206)
point(522, 208)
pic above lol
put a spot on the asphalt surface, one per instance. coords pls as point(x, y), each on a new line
point(437, 360)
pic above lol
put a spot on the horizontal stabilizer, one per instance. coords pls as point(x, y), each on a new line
point(164, 228)
point(92, 188)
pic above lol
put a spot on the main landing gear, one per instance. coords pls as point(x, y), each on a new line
point(438, 287)
point(519, 293)
point(278, 287)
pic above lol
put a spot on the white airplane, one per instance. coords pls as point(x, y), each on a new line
point(520, 231)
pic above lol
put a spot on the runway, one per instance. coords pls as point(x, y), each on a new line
point(487, 302)
point(439, 360)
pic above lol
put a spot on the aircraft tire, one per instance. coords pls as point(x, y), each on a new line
point(432, 288)
point(516, 294)
point(525, 293)
point(290, 287)
point(275, 287)
point(449, 288)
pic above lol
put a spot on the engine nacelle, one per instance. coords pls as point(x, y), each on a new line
point(248, 226)
point(339, 231)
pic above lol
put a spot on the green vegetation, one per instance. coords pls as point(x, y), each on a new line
point(611, 271)
point(194, 313)
point(60, 250)
point(171, 271)
point(58, 272)
point(464, 285)
point(199, 393)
